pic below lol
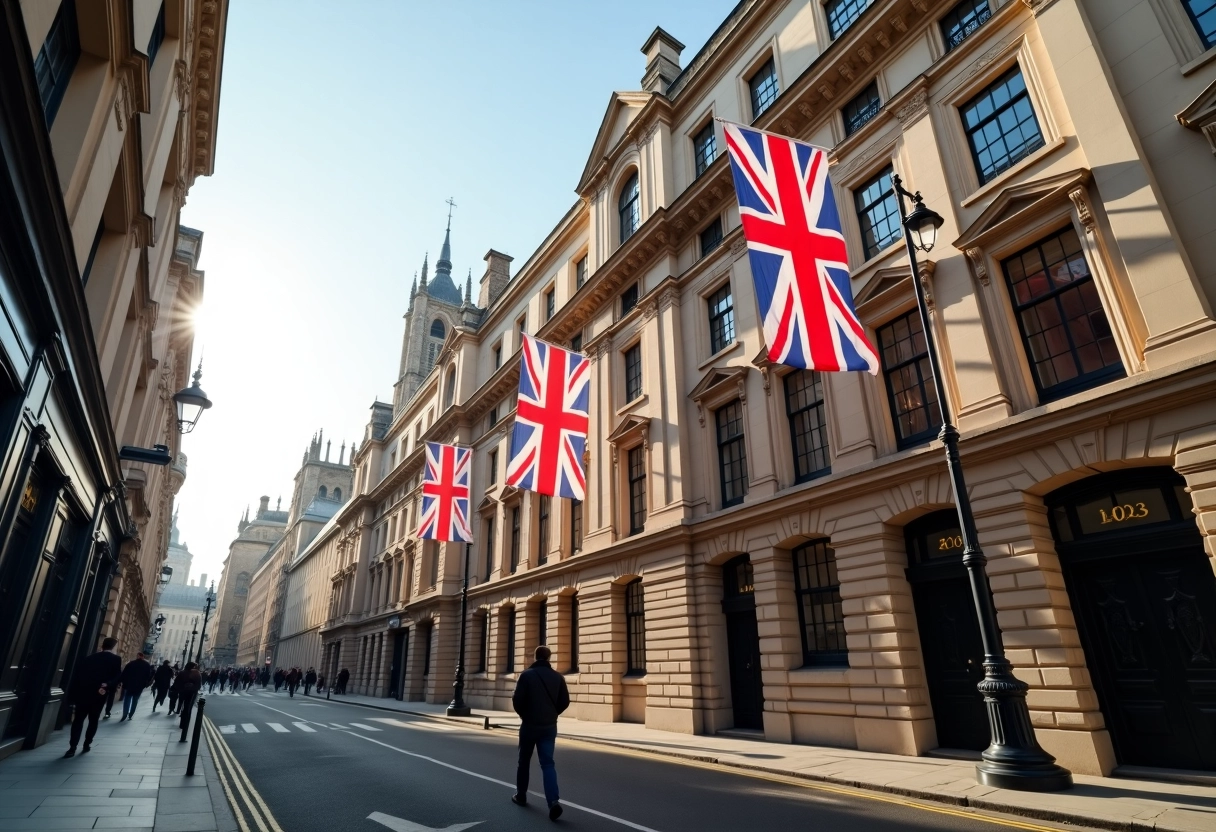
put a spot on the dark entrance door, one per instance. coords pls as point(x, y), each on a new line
point(949, 631)
point(1144, 598)
point(396, 676)
point(743, 643)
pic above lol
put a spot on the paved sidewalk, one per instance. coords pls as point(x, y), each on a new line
point(1104, 802)
point(134, 778)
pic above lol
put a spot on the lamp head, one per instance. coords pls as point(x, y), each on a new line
point(191, 402)
point(923, 223)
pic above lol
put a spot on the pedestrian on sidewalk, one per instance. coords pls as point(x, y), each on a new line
point(190, 682)
point(293, 681)
point(175, 690)
point(310, 679)
point(540, 696)
point(135, 677)
point(279, 675)
point(95, 677)
point(160, 683)
point(321, 683)
point(343, 678)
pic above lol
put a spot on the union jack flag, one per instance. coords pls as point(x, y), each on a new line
point(445, 494)
point(797, 252)
point(550, 421)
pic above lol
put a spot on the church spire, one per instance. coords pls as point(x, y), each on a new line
point(468, 287)
point(424, 259)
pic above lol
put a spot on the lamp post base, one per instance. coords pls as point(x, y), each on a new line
point(1041, 777)
point(454, 710)
point(1014, 760)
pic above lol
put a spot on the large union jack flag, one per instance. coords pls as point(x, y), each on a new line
point(445, 494)
point(550, 421)
point(797, 252)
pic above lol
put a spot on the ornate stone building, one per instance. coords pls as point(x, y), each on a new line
point(107, 117)
point(776, 550)
point(254, 539)
point(180, 601)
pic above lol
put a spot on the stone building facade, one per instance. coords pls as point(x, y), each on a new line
point(255, 538)
point(776, 550)
point(107, 117)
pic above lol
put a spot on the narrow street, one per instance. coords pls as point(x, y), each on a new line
point(320, 766)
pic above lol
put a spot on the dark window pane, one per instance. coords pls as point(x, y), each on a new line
point(629, 208)
point(704, 148)
point(878, 213)
point(158, 35)
point(732, 455)
point(629, 299)
point(905, 363)
point(819, 606)
point(1203, 15)
point(542, 529)
point(511, 641)
point(808, 424)
point(763, 86)
point(56, 59)
point(861, 109)
point(1068, 338)
point(721, 320)
point(515, 538)
point(1001, 125)
point(635, 628)
point(711, 237)
point(576, 525)
point(637, 489)
point(633, 372)
point(843, 13)
point(958, 23)
point(580, 272)
point(574, 634)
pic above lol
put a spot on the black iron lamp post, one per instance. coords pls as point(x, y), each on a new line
point(458, 706)
point(191, 402)
point(1014, 759)
point(187, 650)
point(206, 615)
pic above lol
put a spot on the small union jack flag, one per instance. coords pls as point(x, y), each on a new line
point(445, 494)
point(797, 252)
point(550, 421)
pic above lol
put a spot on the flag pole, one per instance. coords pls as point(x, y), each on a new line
point(458, 706)
point(1014, 759)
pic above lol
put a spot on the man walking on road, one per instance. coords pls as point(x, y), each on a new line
point(160, 683)
point(293, 681)
point(135, 677)
point(95, 677)
point(540, 695)
point(343, 678)
point(310, 679)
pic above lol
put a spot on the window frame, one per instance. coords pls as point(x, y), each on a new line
point(633, 205)
point(966, 27)
point(64, 36)
point(862, 212)
point(549, 303)
point(635, 478)
point(815, 656)
point(576, 525)
point(509, 664)
point(729, 442)
point(631, 357)
point(757, 94)
point(1031, 148)
point(1194, 19)
point(724, 315)
point(635, 628)
point(715, 234)
point(483, 650)
point(544, 509)
point(580, 272)
point(628, 298)
point(819, 404)
point(542, 621)
point(705, 139)
point(489, 527)
point(157, 38)
point(864, 111)
point(856, 8)
point(925, 383)
point(573, 633)
point(516, 520)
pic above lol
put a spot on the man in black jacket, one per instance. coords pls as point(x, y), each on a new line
point(95, 677)
point(161, 682)
point(540, 695)
point(135, 677)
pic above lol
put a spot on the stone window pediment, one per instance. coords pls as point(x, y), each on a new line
point(1200, 115)
point(631, 428)
point(718, 386)
point(1019, 205)
point(487, 504)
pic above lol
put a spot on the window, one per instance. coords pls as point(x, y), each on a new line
point(635, 629)
point(636, 463)
point(861, 109)
point(732, 456)
point(337, 497)
point(629, 208)
point(434, 564)
point(550, 304)
point(843, 13)
point(521, 326)
point(905, 364)
point(1068, 339)
point(542, 622)
point(721, 320)
point(515, 538)
point(704, 148)
point(88, 264)
point(158, 35)
point(711, 237)
point(56, 59)
point(1203, 15)
point(493, 460)
point(489, 547)
point(808, 427)
point(629, 299)
point(633, 372)
point(321, 493)
point(437, 329)
point(580, 273)
point(483, 653)
point(1001, 126)
point(819, 609)
point(963, 19)
point(449, 389)
point(576, 343)
point(492, 416)
point(574, 633)
point(576, 525)
point(497, 356)
point(542, 529)
point(877, 213)
point(763, 88)
point(511, 641)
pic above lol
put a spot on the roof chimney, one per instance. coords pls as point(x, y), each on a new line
point(202, 579)
point(662, 53)
point(494, 281)
point(263, 506)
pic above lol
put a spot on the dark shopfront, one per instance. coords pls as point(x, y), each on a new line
point(61, 522)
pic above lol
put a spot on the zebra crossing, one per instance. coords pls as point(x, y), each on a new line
point(315, 727)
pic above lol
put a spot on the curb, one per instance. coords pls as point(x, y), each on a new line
point(483, 721)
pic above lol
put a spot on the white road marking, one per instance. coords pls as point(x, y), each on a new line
point(293, 716)
point(595, 812)
point(250, 728)
point(227, 729)
point(303, 726)
point(364, 727)
point(403, 825)
point(339, 725)
point(420, 724)
point(279, 729)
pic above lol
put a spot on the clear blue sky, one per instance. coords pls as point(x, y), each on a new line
point(343, 127)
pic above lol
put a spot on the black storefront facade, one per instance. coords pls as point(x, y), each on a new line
point(64, 527)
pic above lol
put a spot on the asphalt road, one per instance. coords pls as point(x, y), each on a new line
point(318, 766)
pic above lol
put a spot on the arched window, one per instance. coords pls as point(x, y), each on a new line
point(437, 329)
point(337, 495)
point(449, 390)
point(629, 208)
point(322, 493)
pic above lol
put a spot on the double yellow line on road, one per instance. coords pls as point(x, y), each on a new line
point(247, 804)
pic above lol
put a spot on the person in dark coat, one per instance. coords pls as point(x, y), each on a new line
point(343, 678)
point(174, 690)
point(160, 683)
point(540, 695)
point(310, 679)
point(95, 677)
point(135, 677)
point(278, 679)
point(293, 681)
point(190, 682)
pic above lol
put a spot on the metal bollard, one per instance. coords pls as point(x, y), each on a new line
point(198, 728)
point(186, 711)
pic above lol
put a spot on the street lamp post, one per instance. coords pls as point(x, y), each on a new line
point(187, 650)
point(458, 706)
point(206, 615)
point(1014, 759)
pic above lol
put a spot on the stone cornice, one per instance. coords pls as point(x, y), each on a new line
point(202, 83)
